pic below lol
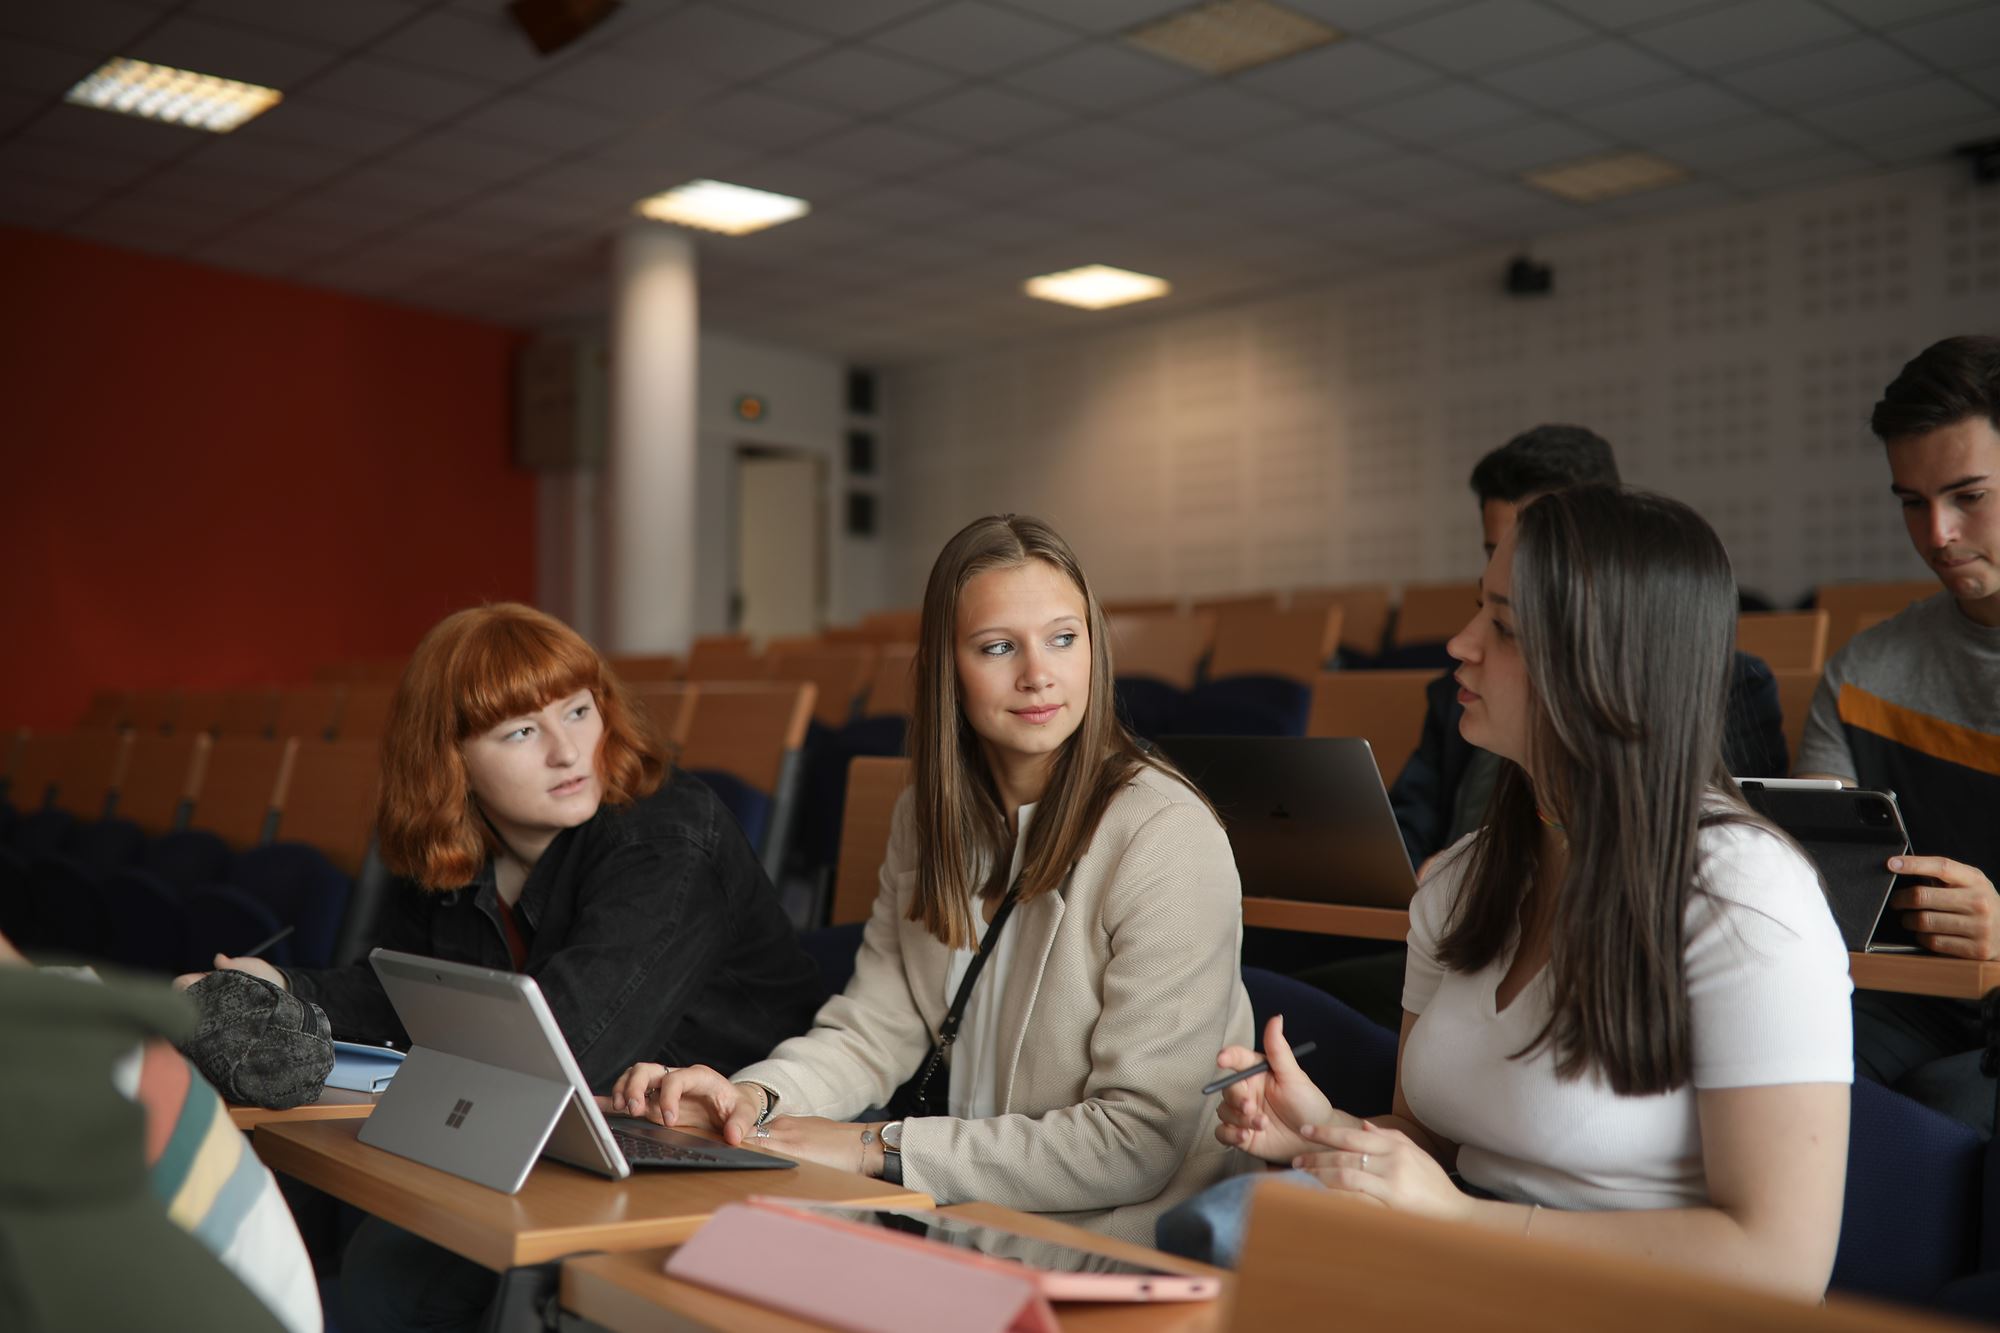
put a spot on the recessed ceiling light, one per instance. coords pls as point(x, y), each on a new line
point(176, 96)
point(733, 210)
point(1226, 36)
point(1096, 287)
point(1606, 176)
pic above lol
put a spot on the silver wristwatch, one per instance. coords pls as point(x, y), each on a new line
point(892, 1152)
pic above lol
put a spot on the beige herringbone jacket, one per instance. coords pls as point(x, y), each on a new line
point(1124, 985)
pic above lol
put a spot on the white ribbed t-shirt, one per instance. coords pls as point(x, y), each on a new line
point(975, 1056)
point(1768, 991)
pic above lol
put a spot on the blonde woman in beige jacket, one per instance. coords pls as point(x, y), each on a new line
point(1073, 1086)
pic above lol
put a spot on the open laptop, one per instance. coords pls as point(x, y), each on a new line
point(1850, 834)
point(490, 1085)
point(1308, 819)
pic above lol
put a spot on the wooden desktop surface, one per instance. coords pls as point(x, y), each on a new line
point(1910, 974)
point(559, 1209)
point(333, 1104)
point(627, 1293)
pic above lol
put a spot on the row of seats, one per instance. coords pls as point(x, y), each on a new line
point(158, 851)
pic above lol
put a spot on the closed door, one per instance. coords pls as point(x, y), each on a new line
point(779, 545)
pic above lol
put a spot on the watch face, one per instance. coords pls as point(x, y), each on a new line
point(892, 1136)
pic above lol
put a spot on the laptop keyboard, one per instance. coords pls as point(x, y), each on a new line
point(638, 1148)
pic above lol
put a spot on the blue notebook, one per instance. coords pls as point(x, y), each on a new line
point(360, 1068)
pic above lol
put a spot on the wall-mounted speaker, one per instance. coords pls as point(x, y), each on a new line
point(554, 24)
point(861, 392)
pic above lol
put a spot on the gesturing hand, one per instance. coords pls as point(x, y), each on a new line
point(1958, 916)
point(1263, 1114)
point(1384, 1165)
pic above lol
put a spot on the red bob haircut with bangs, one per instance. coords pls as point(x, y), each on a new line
point(474, 670)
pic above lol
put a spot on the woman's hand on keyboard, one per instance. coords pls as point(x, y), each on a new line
point(687, 1096)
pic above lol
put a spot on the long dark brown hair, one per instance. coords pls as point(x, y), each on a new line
point(1625, 610)
point(961, 825)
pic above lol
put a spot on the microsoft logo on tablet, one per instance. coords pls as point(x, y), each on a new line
point(458, 1113)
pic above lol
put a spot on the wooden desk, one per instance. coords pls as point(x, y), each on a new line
point(333, 1104)
point(1909, 974)
point(627, 1293)
point(559, 1209)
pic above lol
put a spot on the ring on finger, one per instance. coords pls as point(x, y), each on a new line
point(761, 1132)
point(1364, 1161)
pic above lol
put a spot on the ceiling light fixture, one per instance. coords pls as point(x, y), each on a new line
point(733, 210)
point(1096, 287)
point(1229, 36)
point(1590, 180)
point(175, 96)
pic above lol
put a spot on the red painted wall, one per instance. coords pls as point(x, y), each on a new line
point(209, 479)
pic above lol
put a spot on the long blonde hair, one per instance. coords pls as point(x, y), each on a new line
point(961, 825)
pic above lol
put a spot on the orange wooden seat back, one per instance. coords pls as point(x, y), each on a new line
point(1384, 708)
point(726, 657)
point(364, 712)
point(1434, 612)
point(666, 710)
point(74, 771)
point(746, 729)
point(162, 772)
point(1161, 646)
point(874, 784)
point(311, 712)
point(1853, 605)
point(1795, 696)
point(1786, 640)
point(893, 691)
point(154, 710)
point(840, 673)
point(247, 713)
point(108, 708)
point(1364, 612)
point(327, 799)
point(1259, 641)
point(245, 775)
point(638, 669)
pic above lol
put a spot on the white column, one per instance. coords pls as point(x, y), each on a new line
point(646, 574)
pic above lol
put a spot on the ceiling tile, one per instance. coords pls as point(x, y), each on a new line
point(1583, 74)
point(1006, 228)
point(1292, 204)
point(1367, 16)
point(378, 87)
point(160, 225)
point(43, 205)
point(1504, 207)
point(974, 39)
point(1200, 177)
point(721, 42)
point(1796, 170)
point(1098, 149)
point(675, 148)
point(467, 157)
point(996, 179)
point(1955, 41)
point(1405, 177)
point(541, 122)
point(482, 46)
point(1759, 141)
point(228, 191)
point(879, 150)
point(1879, 115)
point(611, 81)
point(1438, 115)
point(1618, 14)
point(1100, 15)
point(1314, 146)
point(1651, 117)
point(90, 132)
point(1673, 199)
point(904, 205)
point(1333, 78)
point(803, 177)
point(849, 18)
point(1737, 33)
point(1889, 13)
point(986, 115)
point(1211, 115)
point(1485, 34)
point(764, 120)
point(98, 29)
point(347, 24)
point(231, 52)
point(1521, 147)
point(1843, 69)
point(239, 154)
point(336, 131)
point(862, 82)
point(35, 67)
point(1101, 76)
point(1093, 203)
point(1931, 143)
point(24, 159)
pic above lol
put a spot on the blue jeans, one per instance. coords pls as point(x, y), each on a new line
point(1209, 1227)
point(391, 1280)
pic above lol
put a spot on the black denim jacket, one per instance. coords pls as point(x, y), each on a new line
point(652, 931)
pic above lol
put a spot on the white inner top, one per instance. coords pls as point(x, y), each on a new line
point(1768, 990)
point(976, 1055)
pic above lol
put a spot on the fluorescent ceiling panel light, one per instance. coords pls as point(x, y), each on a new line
point(1606, 176)
point(733, 210)
point(175, 96)
point(1096, 287)
point(1228, 36)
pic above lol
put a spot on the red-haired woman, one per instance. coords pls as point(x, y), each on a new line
point(524, 811)
point(533, 827)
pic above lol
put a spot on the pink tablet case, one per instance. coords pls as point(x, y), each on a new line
point(865, 1281)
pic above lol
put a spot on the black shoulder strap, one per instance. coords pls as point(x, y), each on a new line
point(948, 1030)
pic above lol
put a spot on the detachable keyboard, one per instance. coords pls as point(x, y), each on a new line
point(660, 1148)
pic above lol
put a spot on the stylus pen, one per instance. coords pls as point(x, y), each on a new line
point(1261, 1067)
point(257, 950)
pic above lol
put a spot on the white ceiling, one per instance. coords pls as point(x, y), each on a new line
point(425, 153)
